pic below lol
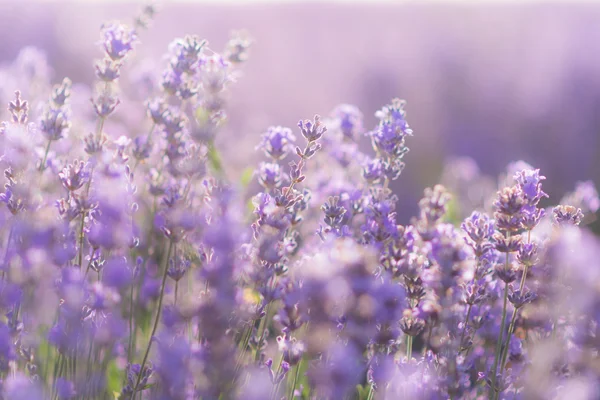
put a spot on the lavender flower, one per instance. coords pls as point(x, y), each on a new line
point(117, 40)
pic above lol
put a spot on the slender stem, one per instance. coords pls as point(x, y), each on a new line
point(511, 327)
point(55, 372)
point(276, 386)
point(131, 331)
point(156, 321)
point(81, 237)
point(245, 339)
point(263, 323)
point(176, 290)
point(499, 343)
point(428, 341)
point(371, 392)
point(462, 337)
point(295, 381)
point(43, 164)
point(100, 127)
point(10, 234)
point(513, 319)
point(409, 343)
point(150, 132)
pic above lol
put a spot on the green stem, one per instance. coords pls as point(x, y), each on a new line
point(295, 381)
point(409, 343)
point(81, 237)
point(276, 387)
point(156, 321)
point(513, 319)
point(499, 343)
point(245, 339)
point(43, 164)
point(511, 327)
point(462, 337)
point(371, 392)
point(263, 323)
point(131, 331)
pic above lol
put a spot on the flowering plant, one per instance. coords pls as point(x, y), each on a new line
point(135, 267)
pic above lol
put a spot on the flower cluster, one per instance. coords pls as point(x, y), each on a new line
point(130, 267)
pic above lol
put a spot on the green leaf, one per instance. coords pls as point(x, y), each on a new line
point(114, 377)
point(453, 211)
point(214, 158)
point(144, 320)
point(247, 175)
point(44, 355)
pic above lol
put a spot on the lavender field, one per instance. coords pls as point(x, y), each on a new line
point(218, 201)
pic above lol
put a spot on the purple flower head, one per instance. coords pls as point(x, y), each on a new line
point(341, 375)
point(519, 298)
point(173, 121)
point(388, 137)
point(94, 144)
point(133, 372)
point(172, 81)
point(141, 148)
point(270, 175)
point(215, 72)
point(434, 203)
point(156, 109)
point(117, 273)
point(394, 115)
point(55, 123)
point(236, 50)
point(292, 349)
point(508, 205)
point(105, 104)
point(186, 53)
point(61, 93)
point(74, 176)
point(349, 120)
point(109, 231)
point(178, 268)
point(173, 366)
point(312, 130)
point(585, 197)
point(507, 244)
point(14, 204)
point(102, 297)
point(506, 272)
point(374, 170)
point(20, 387)
point(176, 223)
point(527, 254)
point(510, 201)
point(450, 251)
point(117, 39)
point(277, 142)
point(531, 216)
point(18, 109)
point(334, 212)
point(150, 290)
point(65, 389)
point(108, 70)
point(567, 215)
point(530, 183)
point(191, 164)
point(478, 226)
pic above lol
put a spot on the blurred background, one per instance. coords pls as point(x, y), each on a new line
point(493, 81)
